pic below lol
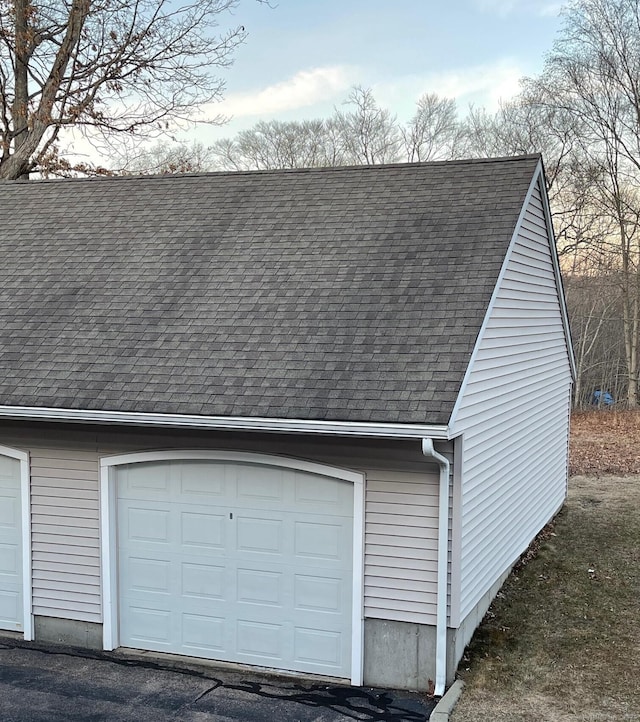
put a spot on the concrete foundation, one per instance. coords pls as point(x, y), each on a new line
point(402, 655)
point(399, 654)
point(68, 631)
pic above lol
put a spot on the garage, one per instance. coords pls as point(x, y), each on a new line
point(239, 558)
point(11, 543)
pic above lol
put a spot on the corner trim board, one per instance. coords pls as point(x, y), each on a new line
point(456, 532)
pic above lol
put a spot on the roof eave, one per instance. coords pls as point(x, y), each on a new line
point(228, 423)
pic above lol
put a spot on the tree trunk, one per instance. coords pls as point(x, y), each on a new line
point(632, 395)
point(21, 89)
point(18, 163)
point(629, 311)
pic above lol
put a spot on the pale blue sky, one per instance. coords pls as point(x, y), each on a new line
point(302, 56)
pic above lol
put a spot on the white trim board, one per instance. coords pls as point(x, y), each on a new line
point(108, 533)
point(559, 283)
point(25, 522)
point(227, 423)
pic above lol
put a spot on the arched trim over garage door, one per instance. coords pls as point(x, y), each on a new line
point(24, 566)
point(109, 531)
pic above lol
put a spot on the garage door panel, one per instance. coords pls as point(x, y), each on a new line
point(261, 641)
point(145, 625)
point(137, 480)
point(204, 581)
point(265, 484)
point(9, 511)
point(147, 525)
point(319, 541)
point(256, 586)
point(9, 562)
point(260, 572)
point(318, 594)
point(147, 575)
point(9, 609)
point(202, 529)
point(330, 496)
point(323, 544)
point(203, 634)
point(9, 472)
point(312, 646)
point(202, 479)
point(259, 535)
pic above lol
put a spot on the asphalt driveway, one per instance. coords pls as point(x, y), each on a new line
point(41, 683)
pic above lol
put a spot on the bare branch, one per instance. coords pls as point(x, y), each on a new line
point(114, 66)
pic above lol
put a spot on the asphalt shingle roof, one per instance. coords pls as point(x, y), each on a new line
point(351, 294)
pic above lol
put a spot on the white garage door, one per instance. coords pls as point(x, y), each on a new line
point(236, 561)
point(11, 609)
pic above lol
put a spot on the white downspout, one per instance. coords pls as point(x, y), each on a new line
point(443, 564)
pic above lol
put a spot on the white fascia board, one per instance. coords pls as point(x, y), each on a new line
point(558, 274)
point(227, 423)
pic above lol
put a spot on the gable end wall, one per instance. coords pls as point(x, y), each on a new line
point(514, 416)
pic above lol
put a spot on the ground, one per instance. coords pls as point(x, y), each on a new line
point(605, 442)
point(562, 639)
point(51, 683)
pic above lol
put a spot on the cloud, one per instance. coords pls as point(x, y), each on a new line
point(494, 82)
point(543, 8)
point(484, 85)
point(304, 89)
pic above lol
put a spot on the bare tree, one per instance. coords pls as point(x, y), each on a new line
point(276, 144)
point(104, 66)
point(434, 132)
point(368, 132)
point(593, 76)
point(362, 133)
point(527, 124)
point(168, 157)
point(594, 304)
point(520, 126)
point(619, 202)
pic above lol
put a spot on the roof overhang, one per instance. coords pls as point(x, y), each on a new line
point(227, 423)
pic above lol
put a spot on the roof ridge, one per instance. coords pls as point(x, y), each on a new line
point(286, 171)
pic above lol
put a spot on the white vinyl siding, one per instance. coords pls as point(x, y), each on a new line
point(401, 546)
point(64, 532)
point(514, 415)
point(401, 512)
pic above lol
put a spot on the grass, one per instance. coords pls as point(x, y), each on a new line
point(562, 640)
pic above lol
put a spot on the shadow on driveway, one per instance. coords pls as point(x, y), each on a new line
point(49, 683)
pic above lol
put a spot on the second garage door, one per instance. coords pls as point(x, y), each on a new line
point(11, 612)
point(240, 562)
